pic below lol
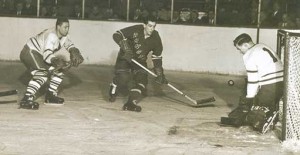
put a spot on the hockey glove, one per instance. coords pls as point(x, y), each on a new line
point(160, 79)
point(75, 57)
point(125, 47)
point(58, 63)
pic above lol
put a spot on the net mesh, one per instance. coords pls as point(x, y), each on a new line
point(290, 49)
point(293, 89)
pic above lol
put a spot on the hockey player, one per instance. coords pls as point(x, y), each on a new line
point(259, 108)
point(136, 42)
point(38, 56)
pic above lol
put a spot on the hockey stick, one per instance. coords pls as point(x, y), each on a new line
point(196, 102)
point(7, 93)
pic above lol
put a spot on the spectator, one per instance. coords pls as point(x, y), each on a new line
point(199, 18)
point(4, 10)
point(184, 16)
point(54, 11)
point(29, 9)
point(77, 13)
point(96, 13)
point(110, 15)
point(211, 18)
point(19, 9)
point(164, 14)
point(286, 22)
point(44, 12)
point(137, 16)
point(275, 17)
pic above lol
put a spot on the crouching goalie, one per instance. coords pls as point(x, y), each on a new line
point(38, 56)
point(259, 108)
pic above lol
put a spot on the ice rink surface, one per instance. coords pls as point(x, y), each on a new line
point(89, 125)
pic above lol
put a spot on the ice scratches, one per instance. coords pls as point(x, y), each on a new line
point(2, 146)
point(173, 130)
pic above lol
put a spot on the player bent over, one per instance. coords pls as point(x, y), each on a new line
point(38, 56)
point(136, 42)
point(259, 108)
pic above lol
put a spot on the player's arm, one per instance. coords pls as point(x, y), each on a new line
point(120, 38)
point(48, 55)
point(253, 79)
point(157, 61)
point(75, 54)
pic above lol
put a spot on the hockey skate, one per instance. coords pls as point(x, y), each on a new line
point(28, 103)
point(112, 92)
point(131, 106)
point(51, 98)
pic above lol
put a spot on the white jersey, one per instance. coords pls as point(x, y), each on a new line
point(263, 67)
point(47, 43)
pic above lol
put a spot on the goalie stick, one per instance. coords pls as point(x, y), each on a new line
point(201, 102)
point(9, 92)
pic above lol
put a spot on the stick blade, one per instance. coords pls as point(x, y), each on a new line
point(206, 100)
point(7, 93)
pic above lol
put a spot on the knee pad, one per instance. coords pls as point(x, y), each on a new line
point(40, 76)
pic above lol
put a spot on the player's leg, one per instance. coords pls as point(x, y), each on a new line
point(140, 82)
point(263, 115)
point(34, 62)
point(51, 97)
point(120, 80)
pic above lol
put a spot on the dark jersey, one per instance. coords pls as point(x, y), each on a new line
point(141, 45)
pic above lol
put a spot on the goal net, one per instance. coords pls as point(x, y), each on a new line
point(288, 49)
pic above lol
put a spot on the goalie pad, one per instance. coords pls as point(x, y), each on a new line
point(261, 118)
point(126, 48)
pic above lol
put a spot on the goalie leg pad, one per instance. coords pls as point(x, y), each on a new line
point(262, 119)
point(238, 115)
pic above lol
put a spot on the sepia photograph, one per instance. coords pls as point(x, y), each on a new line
point(150, 77)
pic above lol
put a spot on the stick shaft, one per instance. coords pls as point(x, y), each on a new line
point(171, 86)
point(7, 93)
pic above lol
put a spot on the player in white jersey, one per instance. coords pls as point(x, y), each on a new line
point(264, 89)
point(38, 56)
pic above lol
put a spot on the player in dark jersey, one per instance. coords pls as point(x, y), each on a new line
point(264, 69)
point(136, 42)
point(38, 55)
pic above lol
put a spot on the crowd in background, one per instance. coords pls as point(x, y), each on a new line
point(274, 13)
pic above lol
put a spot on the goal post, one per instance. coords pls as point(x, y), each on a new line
point(288, 49)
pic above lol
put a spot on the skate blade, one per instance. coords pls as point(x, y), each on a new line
point(54, 104)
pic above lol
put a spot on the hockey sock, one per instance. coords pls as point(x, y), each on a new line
point(39, 78)
point(55, 82)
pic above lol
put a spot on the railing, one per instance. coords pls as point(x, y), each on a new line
point(245, 13)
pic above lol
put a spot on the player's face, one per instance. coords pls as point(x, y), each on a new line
point(149, 28)
point(242, 48)
point(63, 29)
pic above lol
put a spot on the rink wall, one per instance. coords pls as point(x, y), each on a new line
point(186, 48)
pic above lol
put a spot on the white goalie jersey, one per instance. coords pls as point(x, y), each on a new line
point(47, 43)
point(263, 67)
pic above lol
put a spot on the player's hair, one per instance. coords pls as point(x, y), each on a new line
point(149, 18)
point(241, 39)
point(61, 20)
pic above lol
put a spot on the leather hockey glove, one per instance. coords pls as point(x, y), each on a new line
point(160, 79)
point(75, 56)
point(125, 47)
point(58, 63)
